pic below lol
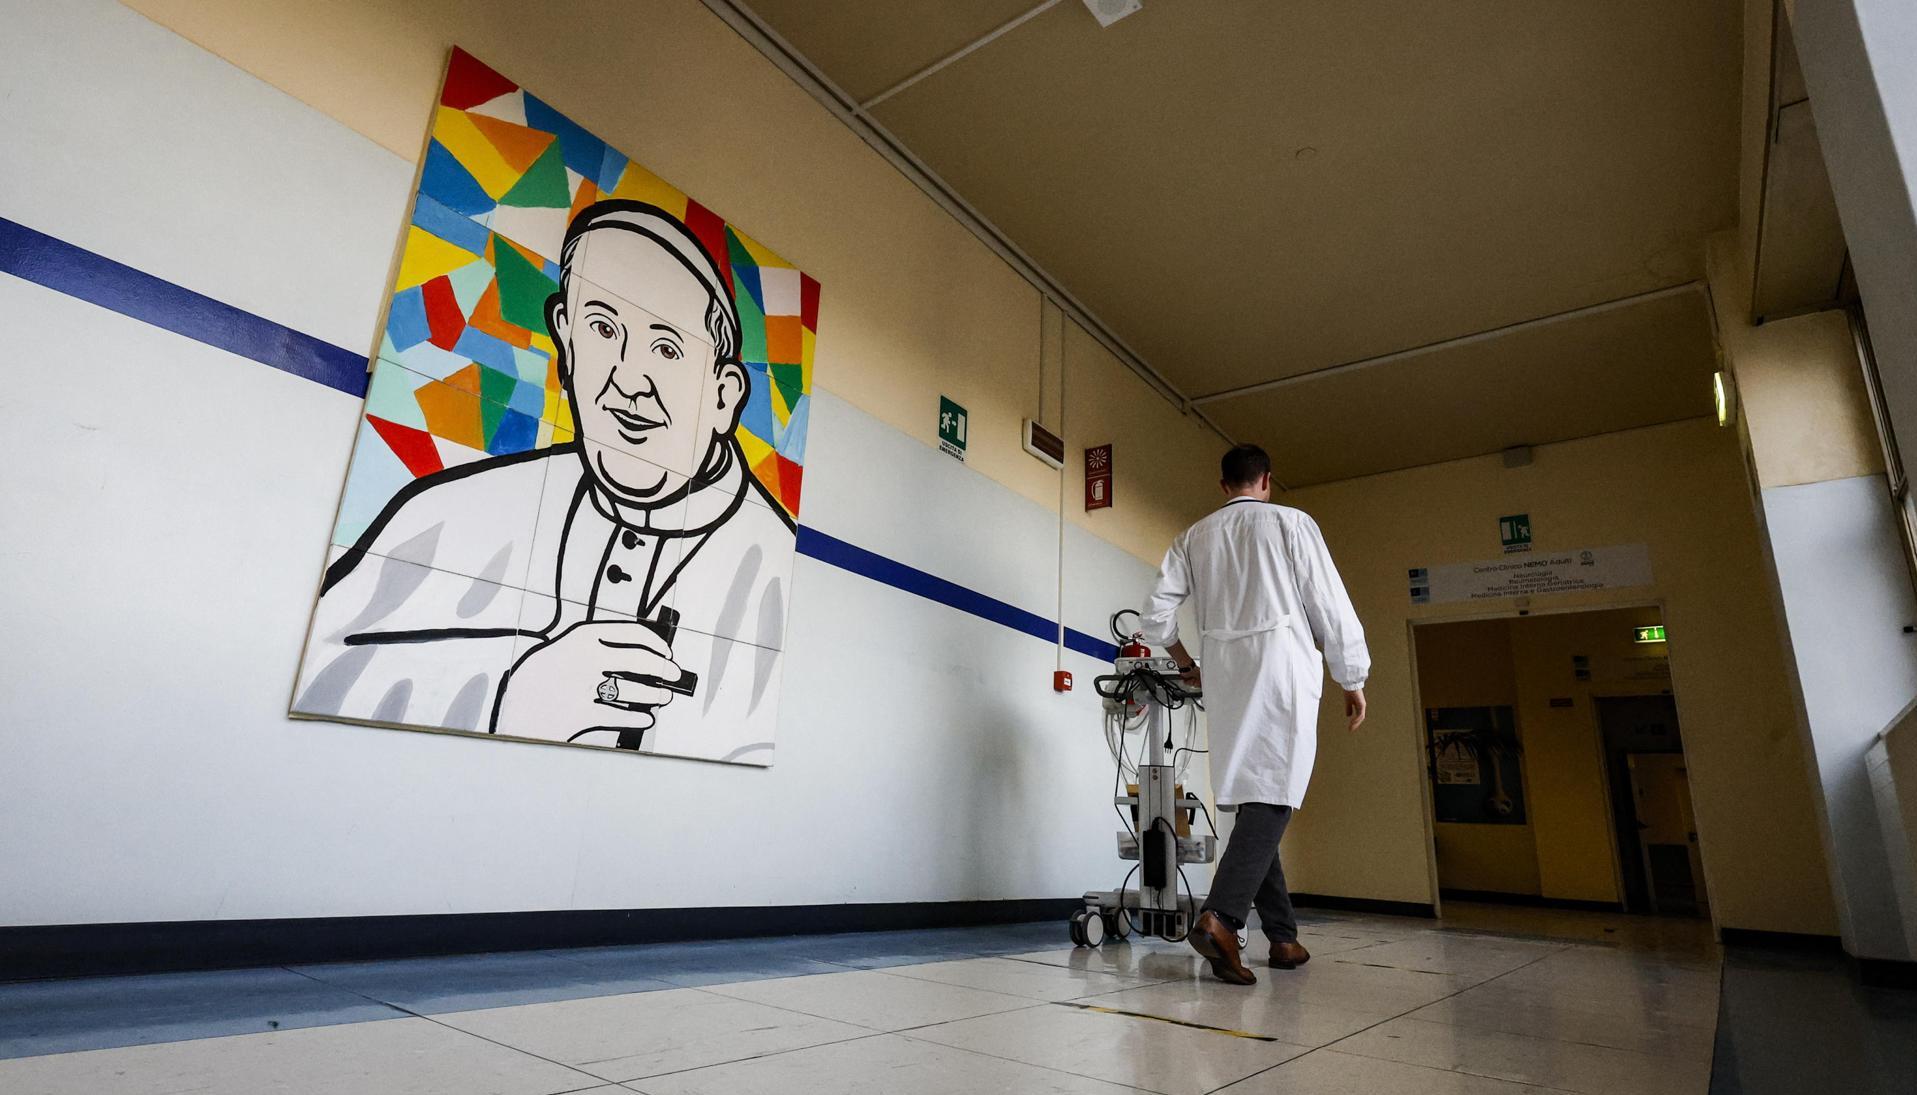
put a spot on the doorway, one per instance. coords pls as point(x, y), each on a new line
point(1556, 762)
point(1655, 829)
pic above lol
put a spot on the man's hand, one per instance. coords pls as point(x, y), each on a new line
point(553, 692)
point(1189, 677)
point(1354, 708)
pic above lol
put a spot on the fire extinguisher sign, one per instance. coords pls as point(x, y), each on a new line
point(1098, 478)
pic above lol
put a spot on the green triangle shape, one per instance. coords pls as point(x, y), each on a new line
point(790, 379)
point(740, 256)
point(496, 387)
point(544, 184)
point(490, 415)
point(523, 288)
point(751, 327)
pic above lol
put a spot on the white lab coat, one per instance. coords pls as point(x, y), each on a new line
point(1266, 598)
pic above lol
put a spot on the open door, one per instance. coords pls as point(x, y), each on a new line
point(1667, 833)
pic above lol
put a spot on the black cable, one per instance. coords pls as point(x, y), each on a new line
point(1180, 868)
point(1122, 910)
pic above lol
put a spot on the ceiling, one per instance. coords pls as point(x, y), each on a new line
point(1246, 191)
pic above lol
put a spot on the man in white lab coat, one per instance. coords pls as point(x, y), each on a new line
point(1266, 599)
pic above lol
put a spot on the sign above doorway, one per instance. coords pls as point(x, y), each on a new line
point(1614, 567)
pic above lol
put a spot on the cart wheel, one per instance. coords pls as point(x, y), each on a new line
point(1077, 928)
point(1118, 926)
point(1094, 929)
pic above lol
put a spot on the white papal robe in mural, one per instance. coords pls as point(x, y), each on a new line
point(1266, 597)
point(419, 623)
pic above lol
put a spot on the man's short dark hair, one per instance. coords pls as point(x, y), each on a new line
point(1244, 466)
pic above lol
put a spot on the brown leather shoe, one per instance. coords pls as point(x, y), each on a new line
point(1288, 956)
point(1215, 941)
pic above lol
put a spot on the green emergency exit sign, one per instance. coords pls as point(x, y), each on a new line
point(1515, 532)
point(951, 428)
point(1651, 634)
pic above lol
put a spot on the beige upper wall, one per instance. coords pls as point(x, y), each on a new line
point(1800, 388)
point(913, 305)
point(1677, 488)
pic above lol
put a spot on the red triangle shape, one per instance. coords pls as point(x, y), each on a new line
point(789, 476)
point(414, 448)
point(706, 226)
point(470, 83)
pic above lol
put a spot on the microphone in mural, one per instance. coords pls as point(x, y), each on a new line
point(611, 567)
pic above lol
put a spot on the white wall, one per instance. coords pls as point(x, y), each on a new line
point(1860, 66)
point(1847, 597)
point(167, 512)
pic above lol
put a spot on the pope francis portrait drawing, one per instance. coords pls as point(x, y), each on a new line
point(626, 587)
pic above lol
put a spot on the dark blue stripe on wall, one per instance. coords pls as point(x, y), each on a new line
point(77, 272)
point(830, 549)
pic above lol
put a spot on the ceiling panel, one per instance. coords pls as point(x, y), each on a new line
point(866, 46)
point(1246, 189)
point(1632, 366)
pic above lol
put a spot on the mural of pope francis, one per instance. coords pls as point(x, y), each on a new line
point(626, 588)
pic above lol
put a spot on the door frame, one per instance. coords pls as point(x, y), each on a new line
point(1464, 612)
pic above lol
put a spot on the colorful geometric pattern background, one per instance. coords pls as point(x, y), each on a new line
point(467, 369)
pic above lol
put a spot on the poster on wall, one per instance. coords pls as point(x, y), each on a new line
point(570, 511)
point(1474, 759)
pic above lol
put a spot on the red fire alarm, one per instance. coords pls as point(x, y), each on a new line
point(1062, 681)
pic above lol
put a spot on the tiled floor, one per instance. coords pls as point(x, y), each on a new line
point(1489, 1001)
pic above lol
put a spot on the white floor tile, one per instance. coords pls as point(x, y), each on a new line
point(1572, 1066)
point(1466, 955)
point(1328, 1072)
point(869, 998)
point(1035, 980)
point(647, 1033)
point(887, 1064)
point(1142, 962)
point(1142, 1053)
point(1257, 1009)
point(394, 1057)
point(1597, 1020)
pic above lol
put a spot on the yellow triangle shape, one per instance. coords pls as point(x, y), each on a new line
point(427, 256)
point(755, 449)
point(644, 186)
point(474, 152)
point(760, 255)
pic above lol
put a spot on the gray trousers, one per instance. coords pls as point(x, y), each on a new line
point(1249, 873)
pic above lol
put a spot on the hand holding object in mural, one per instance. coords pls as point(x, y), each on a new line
point(553, 693)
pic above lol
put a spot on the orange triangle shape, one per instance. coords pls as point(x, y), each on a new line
point(516, 144)
point(766, 472)
point(486, 318)
point(588, 193)
point(466, 380)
